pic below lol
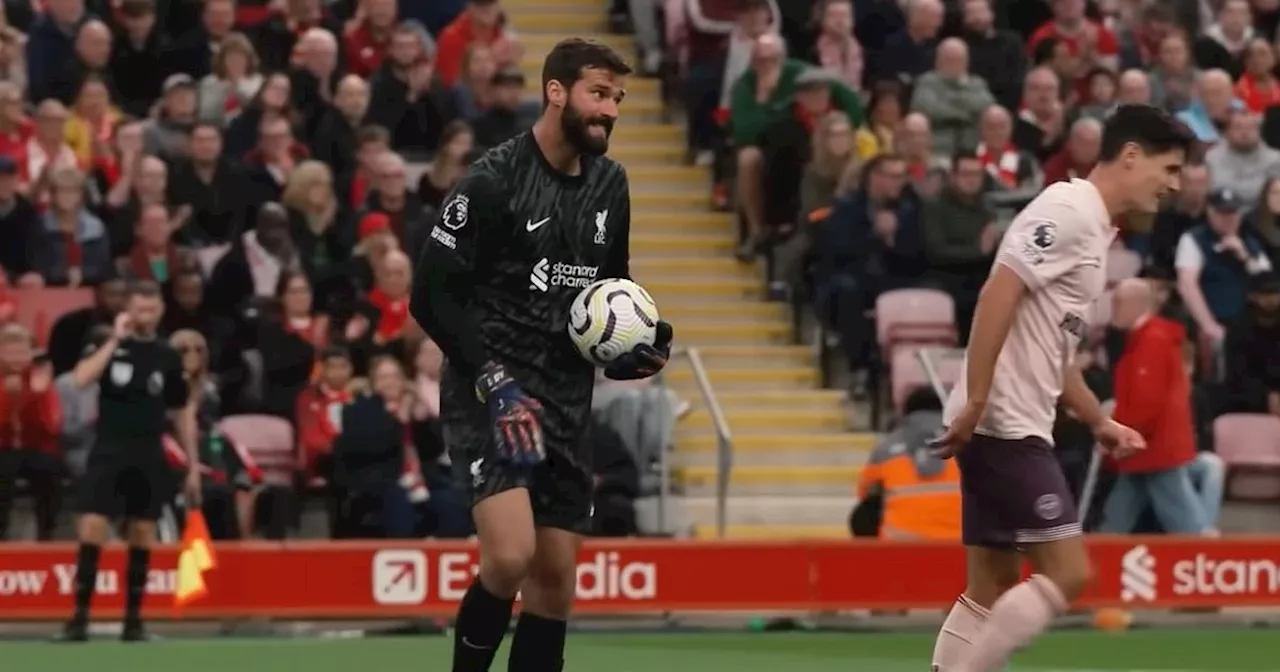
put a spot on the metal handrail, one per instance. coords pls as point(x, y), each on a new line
point(724, 441)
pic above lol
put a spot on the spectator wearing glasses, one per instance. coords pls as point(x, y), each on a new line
point(391, 196)
point(960, 237)
point(73, 248)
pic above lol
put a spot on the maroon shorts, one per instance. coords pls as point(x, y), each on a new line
point(1014, 493)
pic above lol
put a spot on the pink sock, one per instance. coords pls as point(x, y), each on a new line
point(956, 636)
point(1018, 617)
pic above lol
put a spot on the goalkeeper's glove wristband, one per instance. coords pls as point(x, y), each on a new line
point(644, 360)
point(517, 430)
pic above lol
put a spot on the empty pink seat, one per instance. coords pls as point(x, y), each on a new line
point(38, 309)
point(1250, 445)
point(918, 316)
point(907, 374)
point(1122, 264)
point(269, 441)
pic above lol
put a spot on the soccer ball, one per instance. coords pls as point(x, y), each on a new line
point(610, 317)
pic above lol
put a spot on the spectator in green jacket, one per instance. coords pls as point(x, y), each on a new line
point(759, 98)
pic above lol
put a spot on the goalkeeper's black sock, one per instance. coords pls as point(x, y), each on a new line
point(538, 645)
point(136, 583)
point(482, 621)
point(86, 580)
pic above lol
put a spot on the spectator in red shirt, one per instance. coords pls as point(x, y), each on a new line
point(318, 409)
point(1093, 43)
point(15, 127)
point(482, 22)
point(1153, 396)
point(30, 420)
point(1258, 87)
point(369, 35)
point(1080, 154)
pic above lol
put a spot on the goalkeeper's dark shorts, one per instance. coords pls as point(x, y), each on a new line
point(560, 487)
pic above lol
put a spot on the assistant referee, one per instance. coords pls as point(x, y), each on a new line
point(140, 386)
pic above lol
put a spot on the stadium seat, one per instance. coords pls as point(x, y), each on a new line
point(914, 316)
point(1122, 264)
point(1250, 445)
point(906, 374)
point(38, 309)
point(269, 441)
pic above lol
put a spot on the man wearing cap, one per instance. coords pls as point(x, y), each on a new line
point(1252, 378)
point(169, 135)
point(1214, 262)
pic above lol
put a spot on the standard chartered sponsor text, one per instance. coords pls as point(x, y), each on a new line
point(570, 275)
point(1206, 575)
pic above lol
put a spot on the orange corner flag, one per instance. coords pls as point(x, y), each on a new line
point(194, 560)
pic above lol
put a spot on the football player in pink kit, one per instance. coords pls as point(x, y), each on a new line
point(1029, 320)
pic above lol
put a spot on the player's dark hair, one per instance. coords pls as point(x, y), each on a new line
point(145, 289)
point(207, 125)
point(1147, 126)
point(921, 399)
point(570, 58)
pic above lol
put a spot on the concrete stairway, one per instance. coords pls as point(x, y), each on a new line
point(796, 461)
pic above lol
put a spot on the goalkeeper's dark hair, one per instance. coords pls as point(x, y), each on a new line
point(570, 58)
point(1149, 127)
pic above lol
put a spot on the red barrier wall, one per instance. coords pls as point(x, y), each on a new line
point(394, 579)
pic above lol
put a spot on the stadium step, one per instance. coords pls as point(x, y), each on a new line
point(708, 285)
point(716, 356)
point(564, 20)
point(540, 43)
point(719, 310)
point(638, 153)
point(725, 380)
point(778, 532)
point(859, 443)
point(643, 243)
point(681, 176)
point(717, 223)
point(792, 475)
point(720, 333)
point(668, 199)
point(771, 458)
point(820, 419)
point(747, 512)
point(656, 268)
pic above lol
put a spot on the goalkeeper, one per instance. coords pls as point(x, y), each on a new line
point(534, 221)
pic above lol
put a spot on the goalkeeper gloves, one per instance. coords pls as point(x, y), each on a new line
point(517, 431)
point(644, 360)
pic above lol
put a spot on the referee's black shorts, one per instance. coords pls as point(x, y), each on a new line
point(129, 479)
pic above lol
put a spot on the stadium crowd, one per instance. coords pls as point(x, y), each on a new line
point(254, 158)
point(879, 145)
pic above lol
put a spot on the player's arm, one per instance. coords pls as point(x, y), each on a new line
point(1033, 254)
point(618, 263)
point(445, 278)
point(183, 399)
point(90, 368)
point(1081, 400)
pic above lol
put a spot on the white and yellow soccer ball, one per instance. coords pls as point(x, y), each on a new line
point(611, 317)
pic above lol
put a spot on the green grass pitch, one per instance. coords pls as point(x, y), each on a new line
point(1077, 651)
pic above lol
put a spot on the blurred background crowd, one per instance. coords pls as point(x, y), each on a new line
point(275, 164)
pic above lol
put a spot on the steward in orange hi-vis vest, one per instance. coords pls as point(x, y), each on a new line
point(920, 493)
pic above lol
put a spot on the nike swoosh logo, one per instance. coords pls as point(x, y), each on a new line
point(532, 226)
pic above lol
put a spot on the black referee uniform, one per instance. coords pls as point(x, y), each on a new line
point(127, 474)
point(516, 242)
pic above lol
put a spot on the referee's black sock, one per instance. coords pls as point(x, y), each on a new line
point(538, 645)
point(86, 580)
point(136, 583)
point(482, 621)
